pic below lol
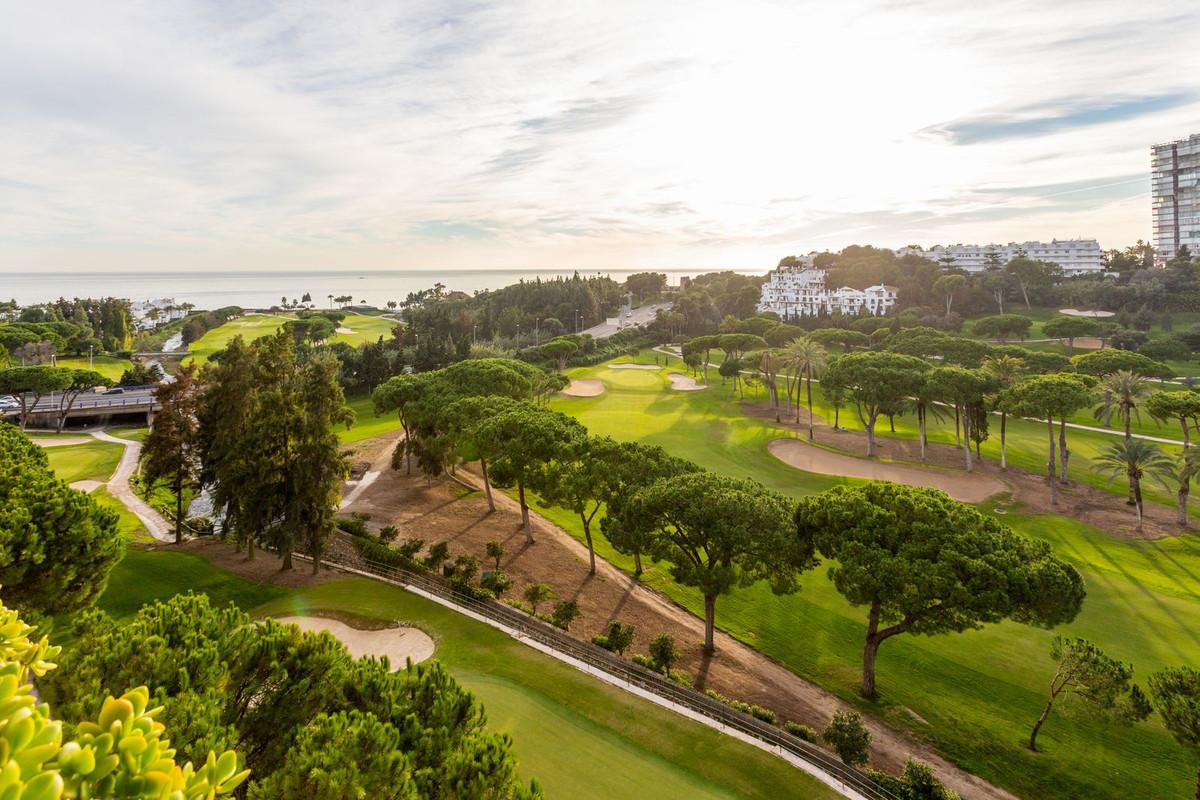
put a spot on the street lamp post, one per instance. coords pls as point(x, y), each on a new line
point(577, 320)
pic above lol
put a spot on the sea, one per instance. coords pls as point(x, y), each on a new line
point(264, 289)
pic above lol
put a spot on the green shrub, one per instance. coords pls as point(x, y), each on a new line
point(644, 661)
point(917, 782)
point(564, 614)
point(388, 533)
point(664, 652)
point(353, 526)
point(682, 677)
point(848, 736)
point(800, 731)
point(754, 710)
point(437, 556)
point(616, 639)
point(496, 581)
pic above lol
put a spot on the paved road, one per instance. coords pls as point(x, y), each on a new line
point(638, 316)
point(134, 397)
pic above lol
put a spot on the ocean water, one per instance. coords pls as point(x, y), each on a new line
point(264, 289)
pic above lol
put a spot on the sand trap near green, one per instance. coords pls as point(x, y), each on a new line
point(684, 383)
point(968, 488)
point(584, 388)
point(397, 644)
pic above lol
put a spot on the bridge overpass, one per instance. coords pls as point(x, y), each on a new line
point(133, 400)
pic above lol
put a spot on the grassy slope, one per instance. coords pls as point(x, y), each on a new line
point(978, 691)
point(94, 461)
point(366, 423)
point(108, 366)
point(254, 326)
point(578, 736)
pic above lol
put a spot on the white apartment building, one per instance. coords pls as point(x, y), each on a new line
point(796, 292)
point(1175, 192)
point(148, 314)
point(1074, 256)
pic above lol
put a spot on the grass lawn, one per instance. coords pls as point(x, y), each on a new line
point(94, 461)
point(366, 423)
point(253, 326)
point(130, 527)
point(364, 328)
point(578, 736)
point(137, 434)
point(108, 366)
point(977, 693)
point(249, 327)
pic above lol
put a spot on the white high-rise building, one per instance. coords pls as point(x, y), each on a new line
point(1175, 189)
point(1074, 256)
point(799, 292)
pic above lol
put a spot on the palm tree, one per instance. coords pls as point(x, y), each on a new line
point(1121, 391)
point(1188, 470)
point(1006, 370)
point(1137, 459)
point(810, 358)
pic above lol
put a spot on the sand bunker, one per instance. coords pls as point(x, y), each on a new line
point(584, 387)
point(683, 383)
point(1074, 312)
point(634, 366)
point(344, 330)
point(395, 643)
point(62, 441)
point(968, 488)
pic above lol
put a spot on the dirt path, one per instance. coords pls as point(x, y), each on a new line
point(584, 387)
point(378, 465)
point(398, 644)
point(118, 487)
point(969, 488)
point(438, 512)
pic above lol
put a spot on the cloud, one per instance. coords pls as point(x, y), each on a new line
point(1058, 116)
point(542, 132)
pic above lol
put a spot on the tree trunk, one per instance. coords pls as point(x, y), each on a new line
point(1003, 452)
point(1135, 486)
point(837, 416)
point(178, 507)
point(957, 428)
point(921, 429)
point(407, 452)
point(1128, 439)
point(1063, 452)
point(1184, 489)
point(587, 534)
point(487, 484)
point(966, 426)
point(810, 411)
point(1037, 726)
point(637, 563)
point(524, 511)
point(871, 437)
point(1187, 441)
point(710, 615)
point(870, 651)
point(287, 559)
point(1051, 476)
point(1024, 293)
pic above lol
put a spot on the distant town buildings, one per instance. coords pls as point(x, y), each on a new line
point(793, 292)
point(149, 314)
point(1175, 193)
point(1074, 256)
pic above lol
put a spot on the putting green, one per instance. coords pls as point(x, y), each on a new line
point(974, 695)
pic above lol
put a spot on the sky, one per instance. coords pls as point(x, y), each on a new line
point(448, 134)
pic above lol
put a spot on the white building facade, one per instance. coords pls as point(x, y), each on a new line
point(793, 292)
point(1175, 193)
point(1074, 256)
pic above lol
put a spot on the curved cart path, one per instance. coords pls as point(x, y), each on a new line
point(118, 486)
point(963, 486)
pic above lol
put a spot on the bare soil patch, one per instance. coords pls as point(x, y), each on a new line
point(264, 567)
point(1030, 492)
point(584, 387)
point(443, 511)
point(684, 383)
point(398, 644)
